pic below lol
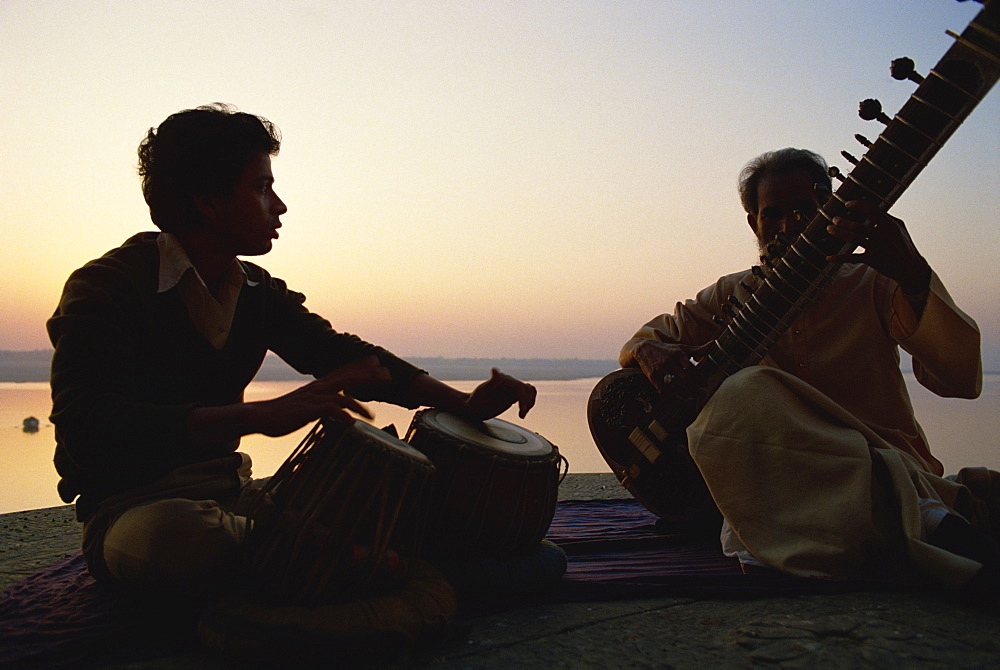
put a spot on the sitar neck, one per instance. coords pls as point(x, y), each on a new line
point(796, 277)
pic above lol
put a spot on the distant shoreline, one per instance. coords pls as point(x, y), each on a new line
point(33, 366)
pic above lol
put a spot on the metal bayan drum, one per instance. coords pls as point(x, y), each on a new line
point(334, 518)
point(495, 488)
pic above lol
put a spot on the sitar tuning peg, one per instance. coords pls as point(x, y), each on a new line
point(799, 216)
point(850, 159)
point(903, 68)
point(778, 248)
point(720, 321)
point(834, 173)
point(758, 272)
point(746, 287)
point(865, 142)
point(871, 110)
point(735, 302)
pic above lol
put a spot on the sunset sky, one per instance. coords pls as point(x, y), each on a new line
point(478, 179)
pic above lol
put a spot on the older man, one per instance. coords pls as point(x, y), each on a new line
point(814, 457)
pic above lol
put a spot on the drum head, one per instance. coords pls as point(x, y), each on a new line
point(495, 434)
point(393, 444)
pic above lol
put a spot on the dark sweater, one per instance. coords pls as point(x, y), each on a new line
point(129, 365)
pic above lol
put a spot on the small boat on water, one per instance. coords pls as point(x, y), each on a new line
point(30, 425)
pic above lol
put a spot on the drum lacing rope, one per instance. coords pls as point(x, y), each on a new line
point(487, 490)
point(348, 473)
point(259, 534)
point(559, 463)
point(521, 499)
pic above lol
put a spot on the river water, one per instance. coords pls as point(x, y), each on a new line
point(961, 432)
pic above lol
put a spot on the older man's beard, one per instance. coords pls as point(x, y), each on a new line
point(762, 246)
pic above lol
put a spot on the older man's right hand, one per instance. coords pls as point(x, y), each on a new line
point(662, 362)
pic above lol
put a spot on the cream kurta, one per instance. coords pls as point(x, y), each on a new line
point(786, 454)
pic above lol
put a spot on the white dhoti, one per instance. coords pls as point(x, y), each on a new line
point(809, 489)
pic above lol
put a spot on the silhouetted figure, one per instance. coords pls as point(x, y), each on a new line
point(814, 456)
point(156, 341)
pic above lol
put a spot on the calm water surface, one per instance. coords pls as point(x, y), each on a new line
point(961, 432)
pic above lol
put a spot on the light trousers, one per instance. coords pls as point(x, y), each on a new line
point(183, 531)
point(809, 489)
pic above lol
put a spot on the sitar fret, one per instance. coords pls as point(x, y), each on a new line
point(805, 277)
point(910, 126)
point(727, 348)
point(896, 147)
point(961, 39)
point(934, 107)
point(776, 321)
point(867, 189)
point(760, 326)
point(755, 344)
point(805, 237)
point(887, 171)
point(801, 254)
point(770, 296)
point(992, 35)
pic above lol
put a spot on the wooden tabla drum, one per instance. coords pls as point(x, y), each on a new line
point(495, 487)
point(335, 517)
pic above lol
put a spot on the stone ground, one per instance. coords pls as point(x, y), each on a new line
point(852, 630)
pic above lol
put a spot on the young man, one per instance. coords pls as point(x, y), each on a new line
point(814, 457)
point(156, 341)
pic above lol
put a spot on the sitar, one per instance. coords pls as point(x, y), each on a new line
point(640, 432)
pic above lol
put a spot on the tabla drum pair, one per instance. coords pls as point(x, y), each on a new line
point(332, 522)
point(334, 519)
point(495, 487)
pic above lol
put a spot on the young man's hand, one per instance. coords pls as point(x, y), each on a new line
point(324, 397)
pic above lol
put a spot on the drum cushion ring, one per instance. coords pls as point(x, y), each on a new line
point(420, 610)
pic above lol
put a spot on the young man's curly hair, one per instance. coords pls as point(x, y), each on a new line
point(199, 152)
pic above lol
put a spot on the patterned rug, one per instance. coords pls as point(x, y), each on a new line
point(59, 617)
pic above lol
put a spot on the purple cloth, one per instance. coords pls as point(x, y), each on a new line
point(59, 617)
point(618, 549)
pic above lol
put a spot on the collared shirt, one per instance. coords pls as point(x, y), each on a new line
point(129, 366)
point(212, 315)
point(845, 345)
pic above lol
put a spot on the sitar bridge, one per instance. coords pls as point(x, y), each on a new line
point(644, 444)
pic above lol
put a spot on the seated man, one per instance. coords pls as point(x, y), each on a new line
point(814, 456)
point(156, 341)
